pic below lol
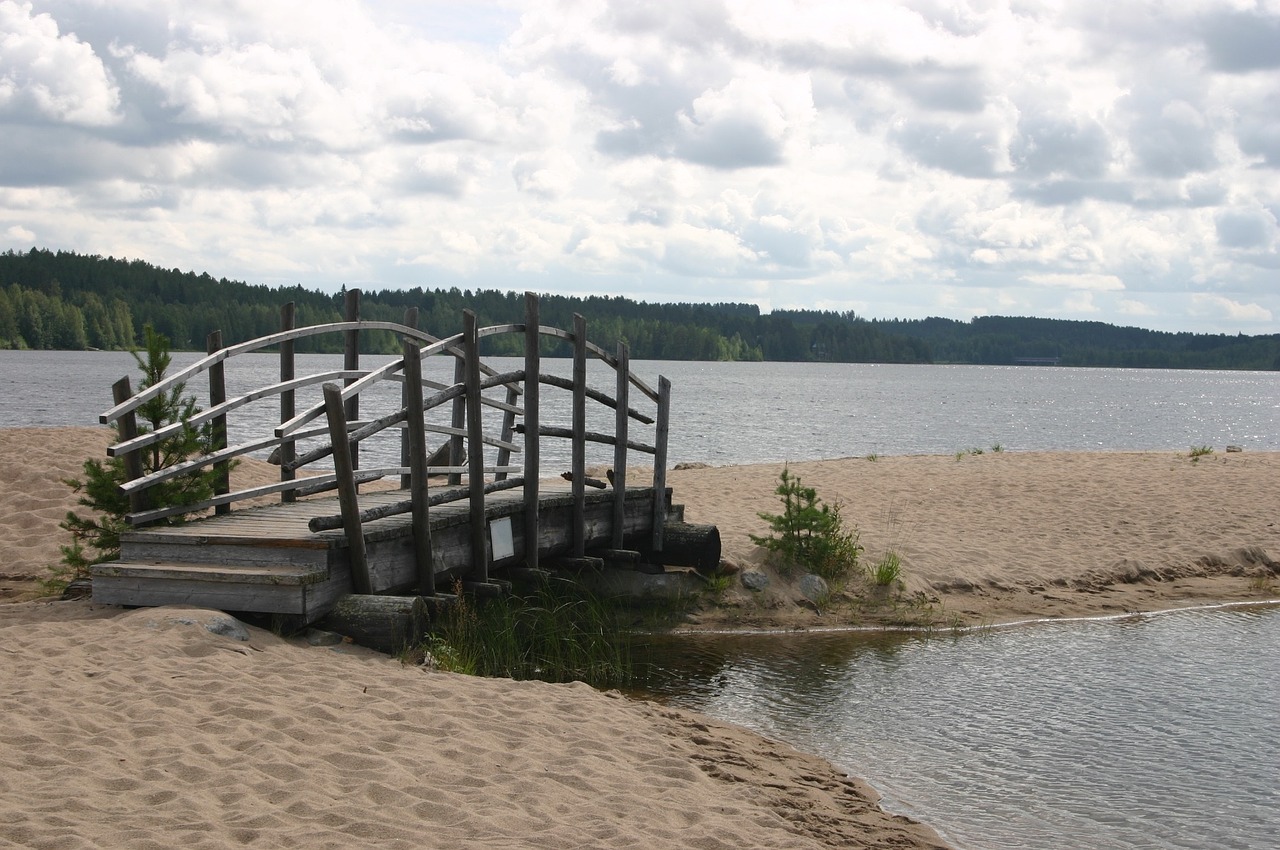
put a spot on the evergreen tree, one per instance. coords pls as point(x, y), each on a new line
point(95, 538)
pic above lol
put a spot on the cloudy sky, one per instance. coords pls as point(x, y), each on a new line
point(1091, 159)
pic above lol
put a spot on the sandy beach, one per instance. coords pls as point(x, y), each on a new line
point(147, 729)
point(1006, 536)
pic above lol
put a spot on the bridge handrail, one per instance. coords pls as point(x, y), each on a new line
point(466, 433)
point(203, 364)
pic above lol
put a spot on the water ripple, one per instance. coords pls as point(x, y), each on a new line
point(1138, 732)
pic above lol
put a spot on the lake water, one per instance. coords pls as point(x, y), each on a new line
point(1139, 732)
point(757, 412)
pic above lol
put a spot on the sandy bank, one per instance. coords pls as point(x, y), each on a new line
point(145, 729)
point(1005, 536)
point(131, 729)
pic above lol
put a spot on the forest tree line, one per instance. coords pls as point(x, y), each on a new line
point(66, 300)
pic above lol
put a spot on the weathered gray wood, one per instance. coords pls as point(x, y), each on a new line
point(457, 391)
point(417, 478)
point(490, 588)
point(184, 375)
point(559, 333)
point(620, 559)
point(303, 486)
point(579, 435)
point(458, 416)
point(451, 345)
point(288, 448)
point(218, 442)
point(134, 590)
point(347, 495)
point(595, 395)
point(508, 431)
point(577, 563)
point(406, 448)
point(661, 431)
point(589, 436)
point(209, 413)
point(532, 450)
point(688, 545)
point(619, 479)
point(385, 623)
point(475, 450)
point(128, 430)
point(351, 362)
point(225, 573)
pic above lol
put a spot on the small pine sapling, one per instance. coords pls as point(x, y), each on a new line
point(808, 533)
point(95, 538)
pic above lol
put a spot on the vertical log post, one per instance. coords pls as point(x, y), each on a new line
point(288, 449)
point(416, 438)
point(351, 361)
point(532, 369)
point(457, 450)
point(128, 429)
point(217, 396)
point(579, 473)
point(348, 498)
point(508, 431)
point(621, 420)
point(406, 449)
point(475, 450)
point(661, 429)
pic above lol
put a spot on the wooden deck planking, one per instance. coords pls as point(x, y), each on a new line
point(266, 558)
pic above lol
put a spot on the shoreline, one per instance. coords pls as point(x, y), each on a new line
point(1007, 537)
point(111, 708)
point(973, 629)
point(983, 540)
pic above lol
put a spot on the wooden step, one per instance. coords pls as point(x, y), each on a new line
point(275, 574)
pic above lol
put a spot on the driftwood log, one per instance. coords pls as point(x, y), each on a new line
point(385, 623)
point(685, 544)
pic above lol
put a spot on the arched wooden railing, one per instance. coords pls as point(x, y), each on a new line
point(464, 453)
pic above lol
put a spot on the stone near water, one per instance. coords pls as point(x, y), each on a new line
point(814, 588)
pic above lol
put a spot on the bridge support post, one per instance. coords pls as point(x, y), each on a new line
point(406, 448)
point(120, 393)
point(351, 362)
point(416, 434)
point(218, 395)
point(348, 498)
point(475, 450)
point(579, 435)
point(288, 450)
point(532, 461)
point(621, 421)
point(662, 426)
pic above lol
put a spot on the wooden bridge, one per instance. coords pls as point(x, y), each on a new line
point(461, 512)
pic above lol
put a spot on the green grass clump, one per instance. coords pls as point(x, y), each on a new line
point(887, 571)
point(809, 533)
point(1198, 452)
point(557, 633)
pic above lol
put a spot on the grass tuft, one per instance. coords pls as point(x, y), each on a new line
point(558, 633)
point(887, 571)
